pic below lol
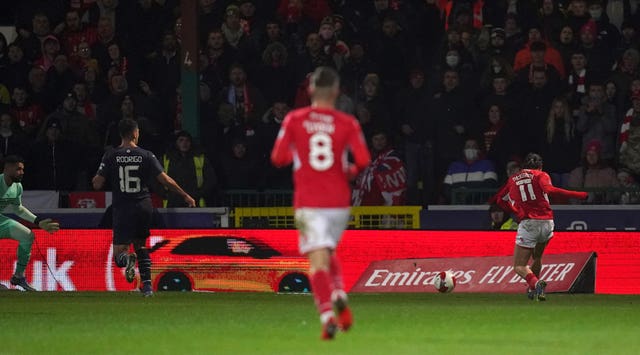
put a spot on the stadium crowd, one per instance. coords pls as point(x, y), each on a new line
point(459, 89)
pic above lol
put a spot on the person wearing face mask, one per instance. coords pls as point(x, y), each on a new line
point(607, 33)
point(471, 172)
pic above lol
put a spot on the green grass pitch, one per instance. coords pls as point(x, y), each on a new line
point(248, 323)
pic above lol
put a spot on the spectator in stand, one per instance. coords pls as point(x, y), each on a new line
point(99, 50)
point(629, 38)
point(580, 77)
point(474, 171)
point(52, 161)
point(12, 140)
point(220, 56)
point(497, 137)
point(514, 37)
point(75, 33)
point(60, 79)
point(598, 55)
point(81, 133)
point(452, 109)
point(115, 11)
point(357, 66)
point(86, 106)
point(297, 23)
point(390, 50)
point(235, 34)
point(28, 115)
point(551, 18)
point(50, 50)
point(252, 24)
point(628, 182)
point(191, 169)
point(607, 33)
point(4, 58)
point(313, 57)
point(38, 89)
point(273, 33)
point(82, 59)
point(566, 44)
point(5, 97)
point(627, 68)
point(373, 111)
point(501, 93)
point(150, 137)
point(551, 56)
point(577, 14)
point(454, 61)
point(500, 220)
point(149, 19)
point(595, 173)
point(210, 16)
point(416, 132)
point(537, 52)
point(498, 47)
point(276, 75)
point(384, 181)
point(429, 31)
point(96, 88)
point(121, 63)
point(534, 105)
point(336, 49)
point(248, 105)
point(597, 121)
point(17, 68)
point(31, 40)
point(276, 178)
point(164, 73)
point(629, 139)
point(561, 145)
point(240, 171)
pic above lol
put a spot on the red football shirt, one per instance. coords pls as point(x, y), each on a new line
point(528, 193)
point(317, 141)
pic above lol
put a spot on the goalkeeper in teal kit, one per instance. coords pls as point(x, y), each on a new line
point(11, 202)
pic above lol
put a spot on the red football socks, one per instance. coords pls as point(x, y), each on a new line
point(321, 287)
point(335, 270)
point(532, 280)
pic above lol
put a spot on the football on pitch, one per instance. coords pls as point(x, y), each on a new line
point(444, 282)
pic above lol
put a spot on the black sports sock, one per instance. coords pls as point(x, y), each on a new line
point(144, 265)
point(122, 259)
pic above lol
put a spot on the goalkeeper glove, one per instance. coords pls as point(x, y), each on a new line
point(48, 225)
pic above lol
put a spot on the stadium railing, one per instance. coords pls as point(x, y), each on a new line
point(386, 217)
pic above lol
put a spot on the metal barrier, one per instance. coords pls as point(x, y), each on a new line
point(387, 217)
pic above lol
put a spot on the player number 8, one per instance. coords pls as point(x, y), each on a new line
point(320, 151)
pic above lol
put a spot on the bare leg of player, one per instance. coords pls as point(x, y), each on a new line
point(339, 296)
point(536, 266)
point(322, 287)
point(521, 258)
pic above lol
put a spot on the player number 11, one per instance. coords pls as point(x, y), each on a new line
point(523, 192)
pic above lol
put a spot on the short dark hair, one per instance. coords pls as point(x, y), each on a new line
point(324, 77)
point(126, 128)
point(532, 161)
point(13, 159)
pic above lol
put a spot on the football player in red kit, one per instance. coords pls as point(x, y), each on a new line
point(317, 139)
point(528, 198)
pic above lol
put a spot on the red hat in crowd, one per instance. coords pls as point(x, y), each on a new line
point(595, 146)
point(589, 26)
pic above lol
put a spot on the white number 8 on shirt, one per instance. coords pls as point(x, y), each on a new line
point(320, 151)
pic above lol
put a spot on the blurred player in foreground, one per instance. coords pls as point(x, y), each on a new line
point(131, 170)
point(317, 140)
point(11, 202)
point(528, 198)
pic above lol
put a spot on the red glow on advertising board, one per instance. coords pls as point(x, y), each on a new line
point(268, 260)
